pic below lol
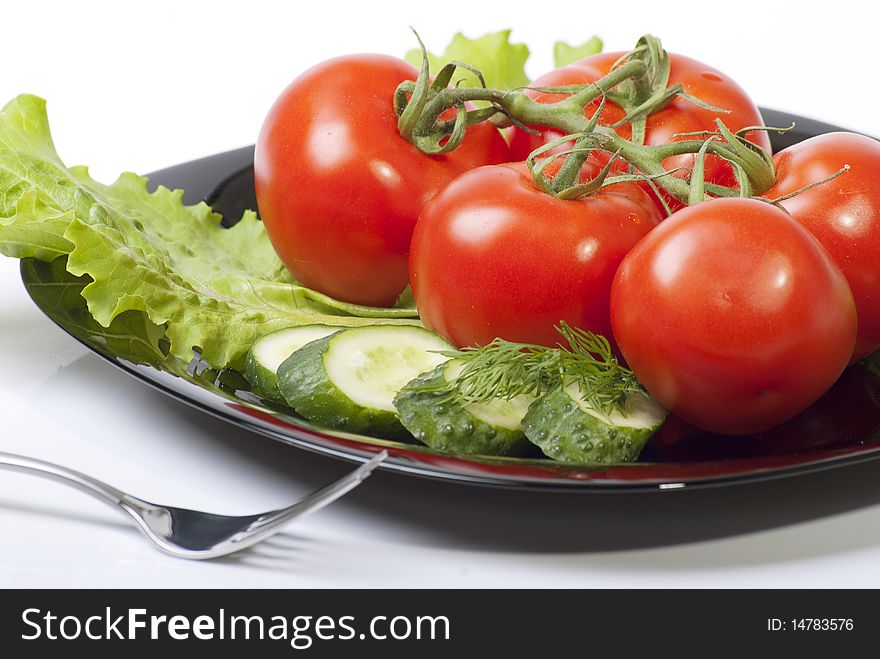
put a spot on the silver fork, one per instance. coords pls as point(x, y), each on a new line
point(191, 533)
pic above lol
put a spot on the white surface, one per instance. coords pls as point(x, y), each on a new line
point(143, 86)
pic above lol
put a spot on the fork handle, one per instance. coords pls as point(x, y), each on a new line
point(80, 481)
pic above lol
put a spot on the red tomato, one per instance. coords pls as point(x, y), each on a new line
point(492, 256)
point(338, 188)
point(733, 316)
point(844, 214)
point(680, 116)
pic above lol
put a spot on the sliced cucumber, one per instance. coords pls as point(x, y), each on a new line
point(348, 380)
point(447, 424)
point(267, 353)
point(567, 429)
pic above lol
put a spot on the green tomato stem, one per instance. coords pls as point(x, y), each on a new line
point(639, 85)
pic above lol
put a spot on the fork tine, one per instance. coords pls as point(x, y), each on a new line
point(334, 490)
point(269, 524)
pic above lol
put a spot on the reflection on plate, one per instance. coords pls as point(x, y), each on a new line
point(842, 428)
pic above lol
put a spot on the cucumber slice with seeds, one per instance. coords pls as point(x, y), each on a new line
point(267, 353)
point(563, 425)
point(348, 380)
point(447, 424)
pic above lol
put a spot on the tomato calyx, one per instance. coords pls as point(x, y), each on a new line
point(641, 96)
point(565, 180)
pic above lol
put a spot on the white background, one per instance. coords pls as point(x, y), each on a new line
point(142, 86)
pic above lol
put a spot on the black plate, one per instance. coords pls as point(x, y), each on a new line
point(840, 429)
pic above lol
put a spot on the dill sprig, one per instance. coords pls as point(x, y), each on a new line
point(506, 369)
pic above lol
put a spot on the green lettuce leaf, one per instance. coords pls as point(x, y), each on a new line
point(130, 335)
point(563, 54)
point(211, 288)
point(35, 205)
point(502, 63)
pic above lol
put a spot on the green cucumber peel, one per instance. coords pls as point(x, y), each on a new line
point(348, 380)
point(305, 386)
point(568, 429)
point(448, 424)
point(270, 351)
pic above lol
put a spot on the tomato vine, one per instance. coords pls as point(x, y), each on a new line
point(638, 85)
